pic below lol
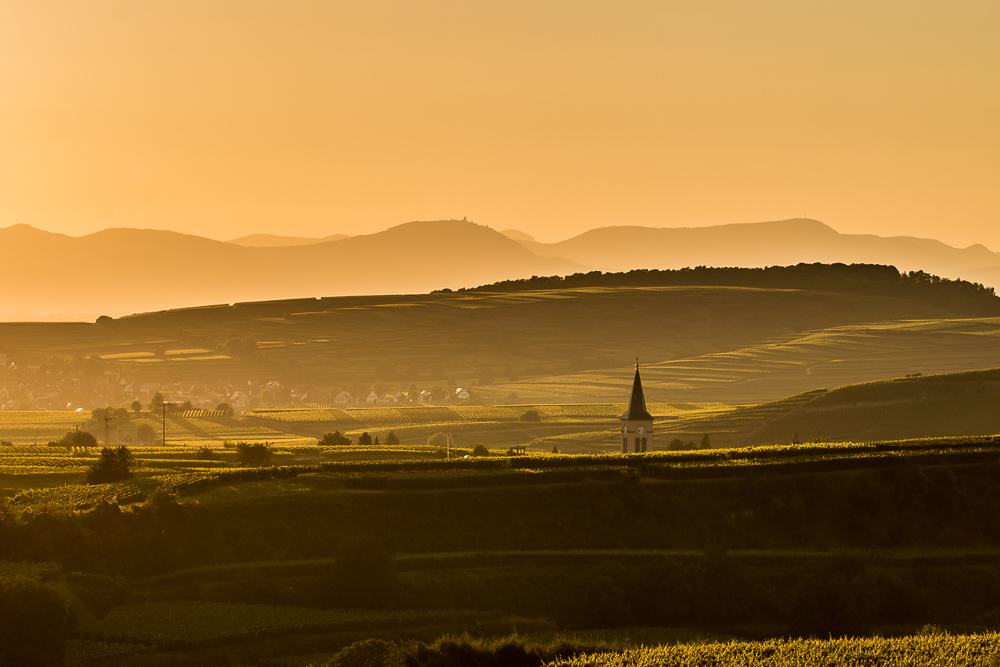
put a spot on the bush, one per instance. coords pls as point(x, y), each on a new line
point(439, 439)
point(367, 653)
point(531, 416)
point(114, 464)
point(480, 450)
point(206, 453)
point(335, 439)
point(81, 439)
point(253, 456)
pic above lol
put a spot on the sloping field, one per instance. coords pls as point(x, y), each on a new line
point(768, 371)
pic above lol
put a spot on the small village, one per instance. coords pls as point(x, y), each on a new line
point(88, 383)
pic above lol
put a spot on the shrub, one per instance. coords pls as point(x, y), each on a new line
point(367, 653)
point(206, 453)
point(114, 464)
point(480, 450)
point(439, 439)
point(81, 439)
point(335, 439)
point(531, 416)
point(253, 456)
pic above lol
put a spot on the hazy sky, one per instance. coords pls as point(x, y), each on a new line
point(301, 117)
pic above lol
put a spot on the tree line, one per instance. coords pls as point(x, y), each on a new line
point(869, 279)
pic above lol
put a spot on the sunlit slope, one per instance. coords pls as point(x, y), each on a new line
point(915, 407)
point(943, 405)
point(823, 358)
point(695, 343)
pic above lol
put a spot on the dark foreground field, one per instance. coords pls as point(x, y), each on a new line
point(298, 563)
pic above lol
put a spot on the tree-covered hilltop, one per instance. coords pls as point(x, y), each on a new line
point(871, 279)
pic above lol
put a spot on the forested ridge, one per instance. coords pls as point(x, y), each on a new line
point(870, 279)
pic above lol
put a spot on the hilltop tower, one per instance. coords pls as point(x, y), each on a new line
point(637, 423)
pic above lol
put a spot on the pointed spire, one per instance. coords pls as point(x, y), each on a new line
point(637, 403)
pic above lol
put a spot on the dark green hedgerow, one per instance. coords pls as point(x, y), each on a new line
point(400, 474)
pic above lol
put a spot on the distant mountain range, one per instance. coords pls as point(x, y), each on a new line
point(275, 241)
point(118, 271)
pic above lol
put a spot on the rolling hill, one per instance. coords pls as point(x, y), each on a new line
point(917, 406)
point(697, 344)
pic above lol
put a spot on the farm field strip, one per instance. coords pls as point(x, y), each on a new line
point(446, 414)
point(926, 650)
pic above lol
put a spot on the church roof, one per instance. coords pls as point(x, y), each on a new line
point(637, 404)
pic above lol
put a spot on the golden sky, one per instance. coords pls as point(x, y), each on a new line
point(314, 117)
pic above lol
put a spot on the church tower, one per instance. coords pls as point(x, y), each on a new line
point(637, 423)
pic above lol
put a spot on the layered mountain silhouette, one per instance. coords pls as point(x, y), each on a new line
point(276, 241)
point(761, 244)
point(119, 271)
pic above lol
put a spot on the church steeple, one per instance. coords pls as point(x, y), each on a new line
point(637, 423)
point(637, 404)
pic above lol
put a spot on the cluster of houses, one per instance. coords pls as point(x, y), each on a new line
point(372, 398)
point(38, 384)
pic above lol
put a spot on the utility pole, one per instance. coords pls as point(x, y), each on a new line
point(163, 438)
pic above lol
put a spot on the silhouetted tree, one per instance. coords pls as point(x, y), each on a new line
point(391, 439)
point(365, 439)
point(253, 456)
point(114, 464)
point(335, 439)
point(439, 439)
point(530, 416)
point(81, 439)
point(136, 407)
